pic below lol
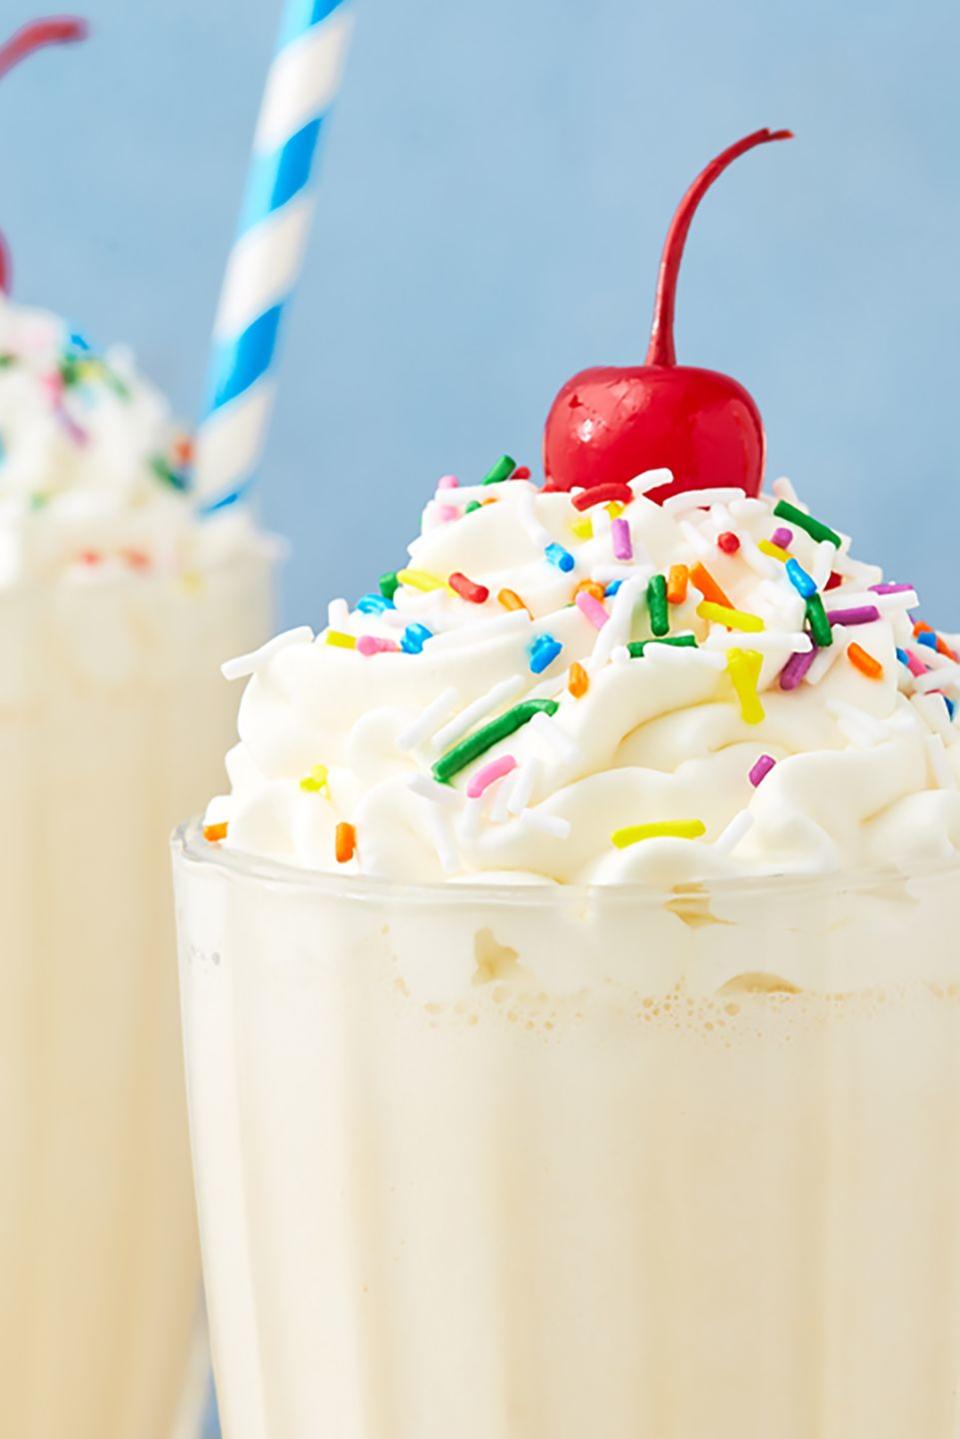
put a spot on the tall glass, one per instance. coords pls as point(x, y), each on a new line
point(112, 718)
point(531, 1163)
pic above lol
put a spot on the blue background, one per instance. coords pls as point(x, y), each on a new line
point(495, 188)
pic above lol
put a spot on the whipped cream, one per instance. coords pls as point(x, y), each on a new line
point(94, 473)
point(709, 687)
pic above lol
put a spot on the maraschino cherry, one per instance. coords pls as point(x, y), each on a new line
point(58, 30)
point(609, 424)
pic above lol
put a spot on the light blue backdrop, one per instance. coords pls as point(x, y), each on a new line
point(496, 185)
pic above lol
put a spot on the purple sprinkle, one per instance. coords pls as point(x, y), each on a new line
point(782, 537)
point(890, 589)
point(622, 543)
point(761, 769)
point(856, 615)
point(793, 672)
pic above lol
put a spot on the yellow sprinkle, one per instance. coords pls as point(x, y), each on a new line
point(192, 582)
point(615, 509)
point(665, 829)
point(420, 580)
point(583, 528)
point(733, 619)
point(316, 780)
point(767, 547)
point(744, 668)
point(342, 641)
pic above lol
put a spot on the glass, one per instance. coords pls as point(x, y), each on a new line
point(112, 717)
point(534, 1163)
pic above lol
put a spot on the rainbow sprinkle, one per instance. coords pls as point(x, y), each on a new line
point(816, 529)
point(560, 557)
point(803, 583)
point(339, 640)
point(499, 472)
point(542, 652)
point(730, 618)
point(761, 769)
point(662, 829)
point(657, 605)
point(744, 668)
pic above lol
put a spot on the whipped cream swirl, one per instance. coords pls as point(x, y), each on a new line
point(595, 688)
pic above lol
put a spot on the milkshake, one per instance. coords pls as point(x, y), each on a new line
point(571, 1008)
point(116, 604)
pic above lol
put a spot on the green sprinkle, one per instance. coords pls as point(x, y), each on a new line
point(6, 361)
point(657, 605)
point(164, 471)
point(38, 499)
point(818, 622)
point(389, 584)
point(637, 647)
point(112, 381)
point(816, 529)
point(502, 470)
point(70, 371)
point(477, 744)
point(473, 505)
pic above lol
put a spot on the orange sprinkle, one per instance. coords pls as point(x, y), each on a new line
point(677, 584)
point(212, 833)
point(346, 842)
point(591, 587)
point(865, 663)
point(136, 559)
point(183, 449)
point(579, 681)
point(920, 628)
point(944, 649)
point(512, 601)
point(492, 501)
point(708, 587)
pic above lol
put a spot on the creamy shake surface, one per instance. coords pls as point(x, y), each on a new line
point(117, 601)
point(593, 688)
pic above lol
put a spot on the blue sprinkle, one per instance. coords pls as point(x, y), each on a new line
point(612, 587)
point(560, 557)
point(414, 638)
point(542, 652)
point(951, 706)
point(803, 583)
point(903, 658)
point(925, 637)
point(374, 604)
point(79, 341)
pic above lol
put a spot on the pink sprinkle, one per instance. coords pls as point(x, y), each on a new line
point(622, 541)
point(489, 774)
point(782, 537)
point(914, 664)
point(448, 482)
point(793, 672)
point(891, 589)
point(372, 645)
point(761, 769)
point(591, 608)
point(446, 513)
point(855, 615)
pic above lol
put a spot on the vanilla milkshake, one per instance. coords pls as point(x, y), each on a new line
point(571, 1001)
point(116, 603)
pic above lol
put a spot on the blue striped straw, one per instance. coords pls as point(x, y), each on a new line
point(267, 254)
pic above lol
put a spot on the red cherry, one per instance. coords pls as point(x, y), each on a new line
point(609, 424)
point(58, 30)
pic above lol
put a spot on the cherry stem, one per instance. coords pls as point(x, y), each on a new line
point(57, 30)
point(662, 350)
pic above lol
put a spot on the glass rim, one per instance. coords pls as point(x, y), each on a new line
point(188, 844)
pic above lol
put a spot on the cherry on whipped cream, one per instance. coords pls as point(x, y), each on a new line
point(609, 424)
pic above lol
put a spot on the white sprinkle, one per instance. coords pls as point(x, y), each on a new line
point(244, 665)
point(423, 727)
point(486, 629)
point(499, 806)
point(698, 543)
point(932, 658)
point(783, 490)
point(441, 832)
point(824, 662)
point(468, 826)
point(793, 641)
point(650, 480)
point(435, 792)
point(619, 570)
point(939, 763)
point(524, 782)
point(858, 727)
point(761, 564)
point(886, 604)
point(727, 841)
point(539, 536)
point(468, 717)
point(338, 614)
point(617, 629)
point(551, 824)
point(701, 499)
point(933, 709)
point(822, 565)
point(948, 674)
point(466, 494)
point(556, 739)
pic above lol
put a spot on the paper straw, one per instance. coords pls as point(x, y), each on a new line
point(267, 255)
